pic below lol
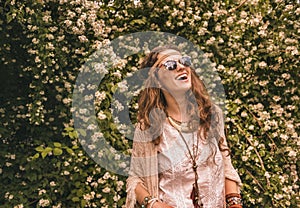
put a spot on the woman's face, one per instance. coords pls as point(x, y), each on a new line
point(175, 81)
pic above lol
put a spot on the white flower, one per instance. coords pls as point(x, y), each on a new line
point(251, 127)
point(44, 202)
point(267, 174)
point(118, 105)
point(116, 198)
point(202, 31)
point(117, 157)
point(255, 21)
point(218, 28)
point(122, 165)
point(276, 98)
point(106, 190)
point(57, 206)
point(52, 183)
point(83, 111)
point(243, 14)
point(92, 146)
point(66, 172)
point(88, 97)
point(244, 114)
point(292, 153)
point(41, 192)
point(46, 18)
point(83, 38)
point(210, 41)
point(117, 74)
point(100, 95)
point(100, 68)
point(35, 41)
point(230, 20)
point(284, 137)
point(244, 158)
point(106, 176)
point(68, 23)
point(286, 76)
point(91, 127)
point(37, 59)
point(289, 7)
point(181, 4)
point(101, 115)
point(262, 65)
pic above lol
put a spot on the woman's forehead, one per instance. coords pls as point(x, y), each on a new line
point(169, 54)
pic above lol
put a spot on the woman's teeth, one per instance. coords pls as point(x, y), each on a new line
point(182, 77)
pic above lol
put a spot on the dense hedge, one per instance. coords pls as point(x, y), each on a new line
point(43, 44)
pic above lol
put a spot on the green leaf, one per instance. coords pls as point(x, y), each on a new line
point(57, 144)
point(75, 147)
point(39, 149)
point(9, 17)
point(57, 151)
point(48, 149)
point(75, 199)
point(70, 151)
point(73, 134)
point(69, 129)
point(44, 154)
point(82, 132)
point(83, 203)
point(36, 156)
point(137, 21)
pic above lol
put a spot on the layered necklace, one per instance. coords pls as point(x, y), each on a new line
point(190, 127)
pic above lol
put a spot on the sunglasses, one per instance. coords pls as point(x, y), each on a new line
point(172, 64)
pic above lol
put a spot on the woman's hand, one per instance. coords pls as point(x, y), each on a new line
point(161, 205)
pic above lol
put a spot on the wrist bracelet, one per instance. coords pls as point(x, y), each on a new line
point(236, 206)
point(234, 200)
point(145, 201)
point(152, 202)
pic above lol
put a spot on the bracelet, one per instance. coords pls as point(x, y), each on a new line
point(234, 200)
point(152, 202)
point(236, 206)
point(145, 202)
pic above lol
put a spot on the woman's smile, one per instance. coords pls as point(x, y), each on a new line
point(182, 77)
point(177, 80)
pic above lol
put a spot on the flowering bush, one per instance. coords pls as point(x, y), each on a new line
point(44, 43)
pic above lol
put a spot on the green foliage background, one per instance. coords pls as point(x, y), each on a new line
point(43, 43)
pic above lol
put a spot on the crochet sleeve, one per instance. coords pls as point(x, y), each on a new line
point(140, 166)
point(230, 172)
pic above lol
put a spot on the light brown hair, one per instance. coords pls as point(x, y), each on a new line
point(152, 103)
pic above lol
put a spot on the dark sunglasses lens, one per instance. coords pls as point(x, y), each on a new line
point(170, 65)
point(186, 61)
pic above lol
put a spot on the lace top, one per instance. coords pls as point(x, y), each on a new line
point(176, 175)
point(165, 172)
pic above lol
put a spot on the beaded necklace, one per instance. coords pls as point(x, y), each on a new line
point(190, 127)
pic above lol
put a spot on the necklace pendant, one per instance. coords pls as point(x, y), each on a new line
point(195, 197)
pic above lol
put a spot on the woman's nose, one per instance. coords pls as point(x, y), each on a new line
point(180, 66)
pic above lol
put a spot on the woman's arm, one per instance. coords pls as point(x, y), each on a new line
point(230, 186)
point(141, 193)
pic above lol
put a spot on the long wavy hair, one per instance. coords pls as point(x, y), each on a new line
point(152, 103)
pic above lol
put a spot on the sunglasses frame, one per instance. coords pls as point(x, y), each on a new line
point(184, 60)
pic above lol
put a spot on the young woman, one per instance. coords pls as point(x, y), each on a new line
point(180, 156)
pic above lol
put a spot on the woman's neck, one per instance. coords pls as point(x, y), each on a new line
point(177, 107)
